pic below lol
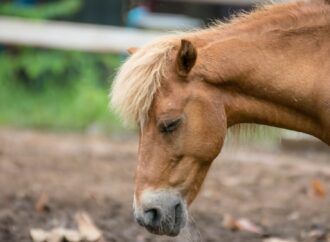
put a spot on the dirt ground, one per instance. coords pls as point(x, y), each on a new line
point(270, 187)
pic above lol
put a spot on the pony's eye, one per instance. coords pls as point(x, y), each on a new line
point(169, 126)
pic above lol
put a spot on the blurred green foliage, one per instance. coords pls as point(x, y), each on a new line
point(52, 88)
point(56, 89)
point(42, 11)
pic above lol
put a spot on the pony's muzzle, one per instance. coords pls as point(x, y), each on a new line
point(162, 213)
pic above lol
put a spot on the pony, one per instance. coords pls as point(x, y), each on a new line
point(184, 90)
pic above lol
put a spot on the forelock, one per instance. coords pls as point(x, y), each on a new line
point(138, 80)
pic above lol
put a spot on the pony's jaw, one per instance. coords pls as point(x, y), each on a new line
point(161, 212)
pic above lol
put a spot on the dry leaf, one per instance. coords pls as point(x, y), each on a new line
point(88, 232)
point(246, 225)
point(87, 227)
point(277, 240)
point(38, 235)
point(56, 235)
point(242, 224)
point(229, 222)
point(42, 203)
point(72, 235)
point(319, 188)
point(319, 232)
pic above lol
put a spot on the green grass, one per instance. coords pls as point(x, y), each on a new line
point(56, 90)
point(41, 11)
point(57, 109)
point(53, 89)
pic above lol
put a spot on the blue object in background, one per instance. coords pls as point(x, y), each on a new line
point(135, 15)
point(25, 2)
point(142, 17)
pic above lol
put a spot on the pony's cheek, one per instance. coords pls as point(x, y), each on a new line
point(187, 177)
point(205, 130)
point(196, 181)
point(203, 146)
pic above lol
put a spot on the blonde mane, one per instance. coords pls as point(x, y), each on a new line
point(138, 80)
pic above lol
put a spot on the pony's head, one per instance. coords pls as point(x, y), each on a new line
point(182, 128)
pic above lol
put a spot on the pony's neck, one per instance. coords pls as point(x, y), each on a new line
point(277, 78)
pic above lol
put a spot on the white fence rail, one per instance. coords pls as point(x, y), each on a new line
point(71, 36)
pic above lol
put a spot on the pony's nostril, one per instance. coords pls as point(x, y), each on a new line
point(178, 214)
point(152, 217)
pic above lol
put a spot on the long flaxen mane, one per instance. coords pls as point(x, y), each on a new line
point(139, 78)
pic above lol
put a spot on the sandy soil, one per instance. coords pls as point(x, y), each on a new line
point(269, 186)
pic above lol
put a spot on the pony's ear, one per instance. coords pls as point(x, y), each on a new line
point(132, 50)
point(186, 58)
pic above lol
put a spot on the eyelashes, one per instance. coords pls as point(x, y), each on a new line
point(169, 126)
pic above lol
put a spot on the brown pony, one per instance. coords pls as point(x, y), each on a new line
point(184, 91)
